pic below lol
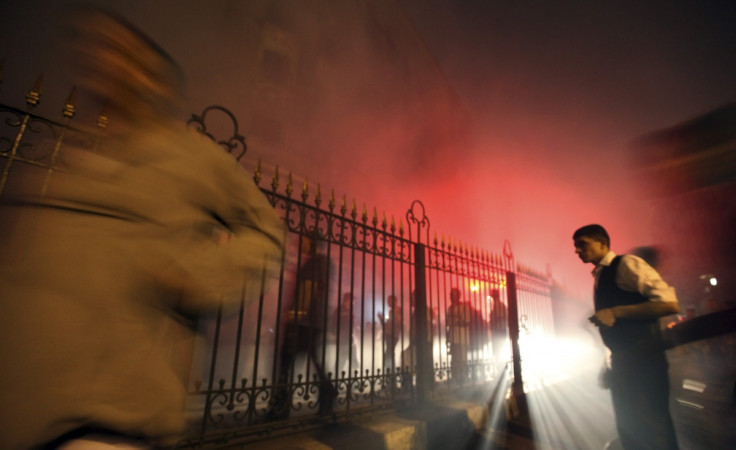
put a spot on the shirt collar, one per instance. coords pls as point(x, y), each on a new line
point(605, 262)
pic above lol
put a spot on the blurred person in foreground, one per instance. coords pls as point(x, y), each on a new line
point(630, 297)
point(102, 278)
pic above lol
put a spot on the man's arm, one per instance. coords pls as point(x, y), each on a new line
point(647, 310)
point(634, 274)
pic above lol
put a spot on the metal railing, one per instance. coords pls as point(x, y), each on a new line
point(368, 312)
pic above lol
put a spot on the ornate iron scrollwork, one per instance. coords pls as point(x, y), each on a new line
point(235, 144)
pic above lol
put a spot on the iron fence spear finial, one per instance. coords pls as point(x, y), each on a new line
point(70, 104)
point(34, 95)
point(257, 174)
point(305, 189)
point(290, 185)
point(275, 179)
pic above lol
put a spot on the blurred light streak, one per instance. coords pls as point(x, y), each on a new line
point(567, 409)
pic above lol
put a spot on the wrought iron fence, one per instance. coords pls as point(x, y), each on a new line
point(368, 312)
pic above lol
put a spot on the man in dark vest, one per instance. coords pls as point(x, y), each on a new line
point(630, 297)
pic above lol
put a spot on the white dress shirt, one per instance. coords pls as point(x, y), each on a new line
point(635, 275)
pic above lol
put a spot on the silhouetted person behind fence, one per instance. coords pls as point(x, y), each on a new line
point(499, 330)
point(305, 333)
point(392, 321)
point(458, 335)
point(412, 343)
point(344, 339)
point(101, 280)
point(630, 297)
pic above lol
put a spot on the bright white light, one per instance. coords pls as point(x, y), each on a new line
point(559, 374)
point(547, 360)
point(713, 281)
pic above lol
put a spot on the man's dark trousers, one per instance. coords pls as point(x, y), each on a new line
point(640, 390)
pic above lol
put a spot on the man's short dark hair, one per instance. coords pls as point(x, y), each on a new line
point(595, 232)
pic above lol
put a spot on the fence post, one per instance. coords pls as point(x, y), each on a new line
point(517, 386)
point(425, 372)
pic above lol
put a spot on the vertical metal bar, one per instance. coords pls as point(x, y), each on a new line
point(371, 317)
point(517, 386)
point(363, 368)
point(236, 357)
point(399, 365)
point(424, 357)
point(373, 311)
point(351, 373)
point(338, 325)
point(390, 373)
point(308, 375)
point(442, 319)
point(434, 296)
point(32, 99)
point(254, 377)
point(409, 367)
point(10, 158)
point(213, 363)
point(377, 266)
point(383, 306)
point(427, 336)
point(325, 312)
point(475, 326)
point(485, 313)
point(291, 372)
point(383, 311)
point(69, 111)
point(277, 345)
point(456, 363)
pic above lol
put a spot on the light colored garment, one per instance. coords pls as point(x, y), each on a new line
point(102, 443)
point(98, 278)
point(635, 275)
point(458, 323)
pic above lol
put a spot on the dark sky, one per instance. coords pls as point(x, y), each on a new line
point(558, 90)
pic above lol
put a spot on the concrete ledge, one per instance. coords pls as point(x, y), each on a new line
point(399, 433)
point(437, 425)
